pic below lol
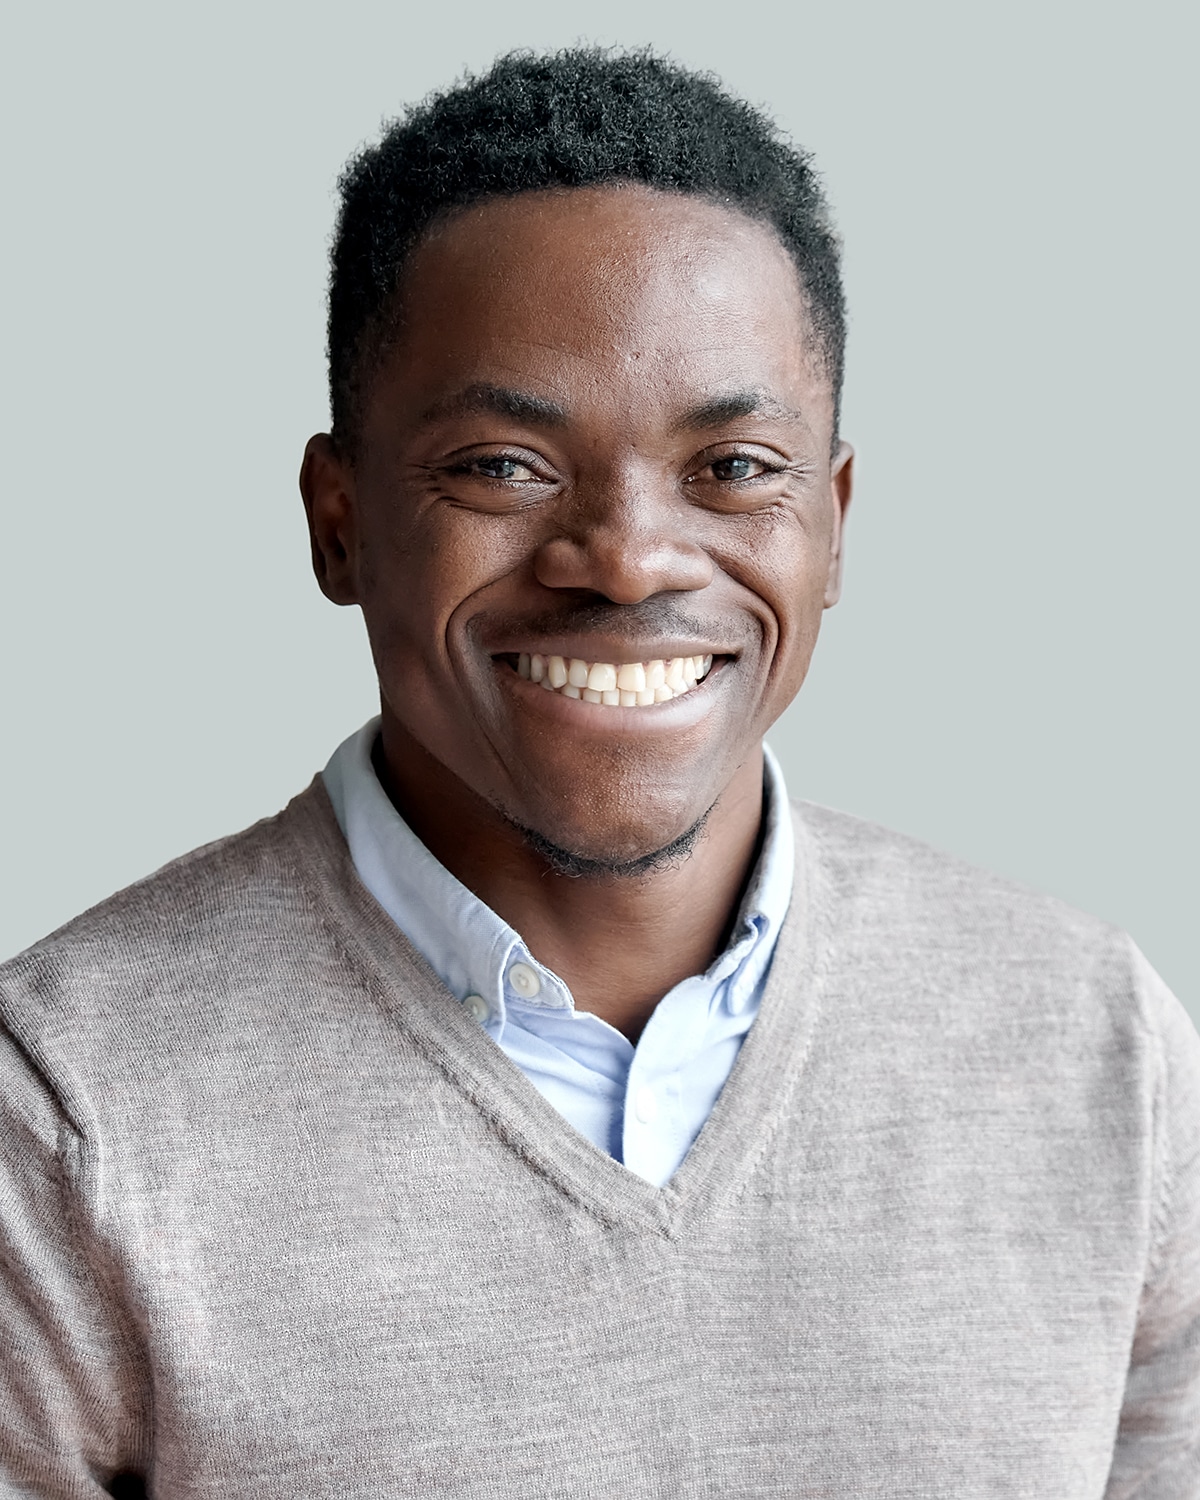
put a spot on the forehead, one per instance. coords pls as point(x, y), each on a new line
point(618, 295)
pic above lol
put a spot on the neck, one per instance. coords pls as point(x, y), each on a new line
point(619, 942)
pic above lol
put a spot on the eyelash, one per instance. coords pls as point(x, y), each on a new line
point(471, 466)
point(768, 470)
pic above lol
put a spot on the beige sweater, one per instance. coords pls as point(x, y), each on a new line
point(277, 1219)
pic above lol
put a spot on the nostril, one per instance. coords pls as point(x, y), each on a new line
point(623, 566)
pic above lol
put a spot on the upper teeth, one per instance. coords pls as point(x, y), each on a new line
point(631, 684)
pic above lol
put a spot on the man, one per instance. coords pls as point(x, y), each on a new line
point(538, 1106)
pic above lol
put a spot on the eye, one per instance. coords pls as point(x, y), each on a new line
point(737, 466)
point(498, 480)
point(499, 466)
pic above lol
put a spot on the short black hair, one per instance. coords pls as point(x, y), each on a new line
point(573, 118)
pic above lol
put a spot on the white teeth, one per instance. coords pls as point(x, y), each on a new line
point(631, 684)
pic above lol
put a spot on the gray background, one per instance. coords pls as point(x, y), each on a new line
point(1010, 673)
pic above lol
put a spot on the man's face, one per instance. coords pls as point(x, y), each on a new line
point(602, 433)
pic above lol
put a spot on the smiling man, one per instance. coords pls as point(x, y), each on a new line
point(541, 1104)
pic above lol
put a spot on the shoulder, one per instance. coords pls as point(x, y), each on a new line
point(968, 939)
point(896, 877)
point(995, 1002)
point(181, 933)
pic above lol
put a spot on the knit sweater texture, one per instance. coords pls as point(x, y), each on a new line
point(278, 1219)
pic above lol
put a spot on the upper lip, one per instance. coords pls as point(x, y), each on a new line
point(605, 648)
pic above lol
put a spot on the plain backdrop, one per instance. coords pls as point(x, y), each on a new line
point(1010, 674)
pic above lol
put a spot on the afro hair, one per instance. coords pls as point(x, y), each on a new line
point(573, 118)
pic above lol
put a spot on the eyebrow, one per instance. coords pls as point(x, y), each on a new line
point(728, 408)
point(500, 401)
point(523, 406)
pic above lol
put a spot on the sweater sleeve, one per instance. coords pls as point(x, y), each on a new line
point(72, 1414)
point(1157, 1454)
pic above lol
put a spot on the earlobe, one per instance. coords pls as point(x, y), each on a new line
point(327, 487)
point(842, 486)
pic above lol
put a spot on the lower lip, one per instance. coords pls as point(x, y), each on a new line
point(676, 714)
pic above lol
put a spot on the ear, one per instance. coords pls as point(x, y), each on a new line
point(842, 484)
point(327, 485)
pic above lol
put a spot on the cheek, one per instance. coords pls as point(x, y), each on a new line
point(783, 565)
point(420, 583)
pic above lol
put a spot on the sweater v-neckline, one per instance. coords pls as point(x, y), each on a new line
point(754, 1102)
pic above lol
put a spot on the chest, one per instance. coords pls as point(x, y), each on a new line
point(894, 1301)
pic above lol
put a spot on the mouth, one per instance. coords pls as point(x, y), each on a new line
point(631, 684)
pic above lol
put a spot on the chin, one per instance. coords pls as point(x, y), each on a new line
point(626, 855)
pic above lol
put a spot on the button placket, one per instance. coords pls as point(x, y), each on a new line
point(645, 1105)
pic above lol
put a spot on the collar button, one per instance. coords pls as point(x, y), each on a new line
point(478, 1007)
point(524, 981)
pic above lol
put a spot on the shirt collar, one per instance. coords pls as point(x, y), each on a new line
point(472, 949)
point(468, 946)
point(768, 895)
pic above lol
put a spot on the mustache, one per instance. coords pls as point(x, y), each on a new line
point(660, 615)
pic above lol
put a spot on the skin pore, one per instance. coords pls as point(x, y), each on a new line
point(602, 431)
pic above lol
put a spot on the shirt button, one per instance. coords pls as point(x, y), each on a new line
point(645, 1105)
point(478, 1007)
point(524, 980)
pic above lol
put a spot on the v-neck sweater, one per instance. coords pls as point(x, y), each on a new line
point(645, 1102)
point(277, 1218)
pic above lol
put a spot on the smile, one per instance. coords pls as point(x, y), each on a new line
point(632, 684)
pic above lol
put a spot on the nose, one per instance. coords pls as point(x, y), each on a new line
point(624, 543)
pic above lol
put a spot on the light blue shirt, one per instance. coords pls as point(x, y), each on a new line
point(644, 1105)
